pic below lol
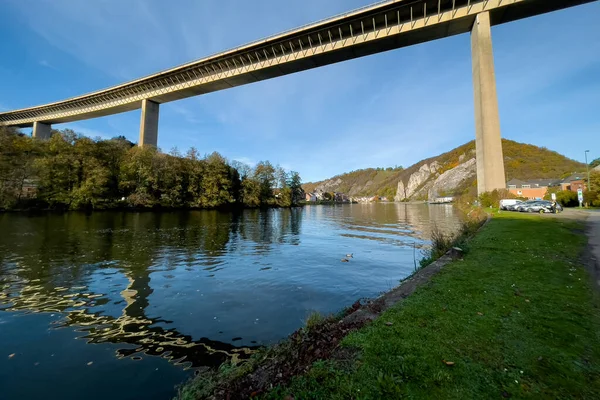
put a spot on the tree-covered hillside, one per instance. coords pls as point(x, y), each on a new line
point(522, 161)
point(70, 171)
point(526, 161)
point(362, 182)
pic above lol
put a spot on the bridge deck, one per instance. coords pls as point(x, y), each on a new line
point(372, 29)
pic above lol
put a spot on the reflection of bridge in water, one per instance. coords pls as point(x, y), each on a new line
point(37, 276)
point(132, 327)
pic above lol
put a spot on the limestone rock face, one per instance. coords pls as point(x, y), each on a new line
point(423, 191)
point(416, 181)
point(400, 192)
point(427, 183)
point(451, 179)
point(329, 185)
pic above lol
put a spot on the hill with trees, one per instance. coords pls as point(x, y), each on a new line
point(522, 161)
point(363, 182)
point(73, 172)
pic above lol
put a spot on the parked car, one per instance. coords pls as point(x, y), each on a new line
point(514, 206)
point(505, 204)
point(540, 206)
point(522, 205)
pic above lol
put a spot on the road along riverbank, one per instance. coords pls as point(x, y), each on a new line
point(517, 316)
point(593, 253)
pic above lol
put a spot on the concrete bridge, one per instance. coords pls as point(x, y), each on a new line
point(376, 28)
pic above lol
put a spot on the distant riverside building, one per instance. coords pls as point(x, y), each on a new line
point(442, 200)
point(310, 197)
point(537, 188)
point(574, 182)
point(341, 197)
point(29, 188)
point(531, 188)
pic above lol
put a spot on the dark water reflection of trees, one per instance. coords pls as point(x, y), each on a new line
point(47, 262)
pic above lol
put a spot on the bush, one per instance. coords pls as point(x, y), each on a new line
point(567, 198)
point(314, 319)
point(592, 198)
point(441, 243)
point(492, 199)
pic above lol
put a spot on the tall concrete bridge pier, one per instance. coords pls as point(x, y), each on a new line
point(149, 124)
point(41, 130)
point(372, 29)
point(488, 144)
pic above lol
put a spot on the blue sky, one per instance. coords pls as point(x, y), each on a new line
point(394, 108)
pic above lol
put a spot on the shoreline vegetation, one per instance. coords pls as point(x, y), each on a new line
point(512, 314)
point(73, 172)
point(321, 335)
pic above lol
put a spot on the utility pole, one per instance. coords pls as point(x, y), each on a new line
point(587, 167)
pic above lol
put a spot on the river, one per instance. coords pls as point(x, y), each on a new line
point(125, 305)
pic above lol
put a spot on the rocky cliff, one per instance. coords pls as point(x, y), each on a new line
point(437, 180)
point(452, 179)
point(448, 174)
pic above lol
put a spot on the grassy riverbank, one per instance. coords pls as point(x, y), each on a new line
point(516, 318)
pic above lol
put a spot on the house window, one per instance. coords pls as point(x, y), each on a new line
point(526, 186)
point(512, 186)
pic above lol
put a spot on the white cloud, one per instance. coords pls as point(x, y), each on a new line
point(137, 37)
point(45, 63)
point(190, 116)
point(245, 160)
point(91, 133)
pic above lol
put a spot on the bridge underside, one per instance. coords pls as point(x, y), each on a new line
point(380, 28)
point(373, 29)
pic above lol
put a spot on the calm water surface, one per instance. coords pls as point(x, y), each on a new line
point(127, 305)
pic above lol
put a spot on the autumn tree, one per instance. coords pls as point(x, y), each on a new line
point(220, 185)
point(294, 182)
point(264, 174)
point(71, 171)
point(17, 155)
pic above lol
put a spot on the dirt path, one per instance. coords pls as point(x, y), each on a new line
point(593, 256)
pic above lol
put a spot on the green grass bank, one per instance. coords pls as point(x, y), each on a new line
point(517, 318)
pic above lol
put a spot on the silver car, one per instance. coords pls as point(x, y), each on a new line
point(540, 206)
point(523, 205)
point(513, 207)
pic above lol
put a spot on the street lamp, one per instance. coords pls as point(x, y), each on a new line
point(587, 167)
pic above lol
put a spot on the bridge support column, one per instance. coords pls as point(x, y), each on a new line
point(490, 162)
point(41, 130)
point(149, 124)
